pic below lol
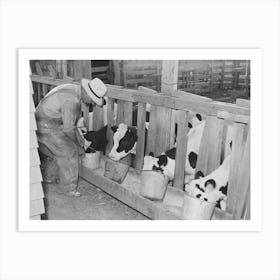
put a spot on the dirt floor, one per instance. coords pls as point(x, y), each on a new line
point(93, 204)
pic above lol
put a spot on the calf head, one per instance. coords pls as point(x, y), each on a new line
point(125, 138)
point(195, 120)
point(150, 162)
point(97, 139)
point(206, 190)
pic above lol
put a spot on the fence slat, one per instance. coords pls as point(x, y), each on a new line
point(214, 143)
point(110, 120)
point(181, 150)
point(236, 156)
point(141, 125)
point(243, 182)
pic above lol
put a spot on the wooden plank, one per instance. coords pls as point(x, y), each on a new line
point(34, 157)
point(143, 205)
point(214, 144)
point(96, 69)
point(110, 118)
point(158, 99)
point(191, 96)
point(124, 115)
point(181, 150)
point(117, 72)
point(163, 115)
point(85, 110)
point(82, 69)
point(97, 118)
point(52, 71)
point(36, 207)
point(38, 69)
point(35, 174)
point(243, 182)
point(36, 191)
point(141, 127)
point(58, 68)
point(236, 156)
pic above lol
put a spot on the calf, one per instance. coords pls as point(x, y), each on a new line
point(97, 140)
point(166, 161)
point(125, 140)
point(213, 187)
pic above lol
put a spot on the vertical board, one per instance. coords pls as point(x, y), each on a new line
point(181, 150)
point(110, 118)
point(236, 156)
point(124, 112)
point(117, 72)
point(160, 120)
point(85, 111)
point(82, 69)
point(243, 182)
point(124, 115)
point(210, 150)
point(214, 143)
point(141, 132)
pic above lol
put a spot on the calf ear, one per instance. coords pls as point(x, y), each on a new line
point(189, 125)
point(114, 128)
point(210, 182)
point(198, 175)
point(151, 154)
point(199, 117)
point(230, 145)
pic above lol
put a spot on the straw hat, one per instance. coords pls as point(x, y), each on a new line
point(95, 89)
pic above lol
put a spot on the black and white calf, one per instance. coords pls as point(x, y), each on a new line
point(213, 187)
point(125, 140)
point(166, 161)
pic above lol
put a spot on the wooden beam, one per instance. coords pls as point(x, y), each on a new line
point(157, 99)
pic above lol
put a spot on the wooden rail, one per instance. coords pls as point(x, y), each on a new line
point(171, 102)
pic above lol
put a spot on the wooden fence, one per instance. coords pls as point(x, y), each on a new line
point(194, 76)
point(218, 118)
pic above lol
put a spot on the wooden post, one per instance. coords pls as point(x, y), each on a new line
point(169, 79)
point(58, 68)
point(117, 72)
point(82, 69)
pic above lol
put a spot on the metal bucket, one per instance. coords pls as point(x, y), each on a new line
point(196, 209)
point(153, 184)
point(91, 160)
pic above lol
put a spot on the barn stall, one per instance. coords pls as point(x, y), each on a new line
point(170, 106)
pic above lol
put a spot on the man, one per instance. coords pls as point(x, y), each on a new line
point(57, 115)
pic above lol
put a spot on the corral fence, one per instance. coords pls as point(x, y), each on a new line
point(219, 116)
point(195, 76)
